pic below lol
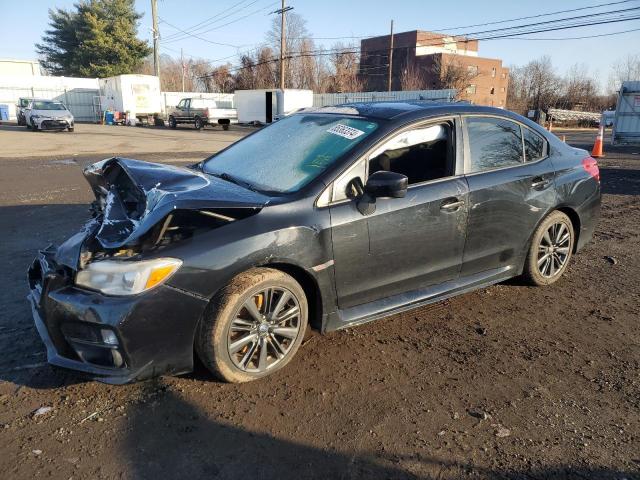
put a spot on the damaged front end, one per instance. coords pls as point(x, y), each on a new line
point(100, 301)
point(143, 206)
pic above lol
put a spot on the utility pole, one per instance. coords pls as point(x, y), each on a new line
point(156, 38)
point(283, 26)
point(390, 57)
point(182, 65)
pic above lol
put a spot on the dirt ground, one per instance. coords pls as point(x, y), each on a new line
point(509, 382)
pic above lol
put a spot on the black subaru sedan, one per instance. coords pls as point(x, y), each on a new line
point(326, 219)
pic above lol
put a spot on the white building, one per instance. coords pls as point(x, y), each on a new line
point(10, 66)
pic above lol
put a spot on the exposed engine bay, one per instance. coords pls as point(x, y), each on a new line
point(143, 206)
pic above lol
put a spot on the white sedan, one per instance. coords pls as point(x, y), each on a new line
point(48, 115)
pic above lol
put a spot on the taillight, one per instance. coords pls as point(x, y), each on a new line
point(591, 167)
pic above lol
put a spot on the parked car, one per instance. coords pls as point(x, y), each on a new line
point(48, 115)
point(201, 112)
point(23, 102)
point(329, 218)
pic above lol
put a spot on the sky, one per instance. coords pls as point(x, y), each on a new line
point(24, 23)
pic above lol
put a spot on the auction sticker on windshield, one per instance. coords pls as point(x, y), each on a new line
point(345, 131)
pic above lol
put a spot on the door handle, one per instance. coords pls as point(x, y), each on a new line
point(539, 183)
point(451, 204)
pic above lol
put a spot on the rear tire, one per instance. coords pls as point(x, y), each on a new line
point(550, 251)
point(262, 310)
point(198, 123)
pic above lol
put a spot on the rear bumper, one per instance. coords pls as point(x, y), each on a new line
point(146, 335)
point(589, 214)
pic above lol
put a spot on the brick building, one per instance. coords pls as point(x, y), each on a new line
point(423, 52)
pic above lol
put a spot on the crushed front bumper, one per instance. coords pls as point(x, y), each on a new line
point(113, 339)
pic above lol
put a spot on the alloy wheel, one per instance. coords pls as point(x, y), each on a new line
point(554, 250)
point(264, 330)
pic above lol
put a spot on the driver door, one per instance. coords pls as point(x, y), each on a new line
point(407, 243)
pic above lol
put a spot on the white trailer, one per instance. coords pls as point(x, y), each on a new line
point(267, 105)
point(626, 124)
point(138, 95)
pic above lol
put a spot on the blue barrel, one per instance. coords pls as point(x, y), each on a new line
point(108, 118)
point(4, 112)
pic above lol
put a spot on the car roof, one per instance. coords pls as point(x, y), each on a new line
point(414, 109)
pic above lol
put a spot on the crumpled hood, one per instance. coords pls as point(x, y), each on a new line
point(132, 196)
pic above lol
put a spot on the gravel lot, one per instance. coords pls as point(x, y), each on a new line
point(508, 382)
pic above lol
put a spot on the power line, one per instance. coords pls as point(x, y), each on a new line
point(199, 25)
point(439, 41)
point(444, 29)
point(230, 22)
point(184, 33)
point(198, 37)
point(579, 38)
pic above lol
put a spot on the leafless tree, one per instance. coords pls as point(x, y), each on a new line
point(264, 70)
point(412, 78)
point(299, 61)
point(624, 69)
point(534, 86)
point(343, 66)
point(452, 73)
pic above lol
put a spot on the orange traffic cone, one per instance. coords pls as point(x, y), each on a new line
point(597, 146)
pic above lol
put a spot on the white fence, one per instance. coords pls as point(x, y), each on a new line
point(80, 95)
point(329, 99)
point(76, 93)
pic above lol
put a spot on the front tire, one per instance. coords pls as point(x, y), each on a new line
point(550, 251)
point(172, 122)
point(254, 326)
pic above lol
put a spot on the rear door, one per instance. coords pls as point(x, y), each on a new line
point(510, 177)
point(407, 243)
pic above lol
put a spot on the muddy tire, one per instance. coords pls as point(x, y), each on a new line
point(198, 123)
point(172, 122)
point(253, 326)
point(550, 251)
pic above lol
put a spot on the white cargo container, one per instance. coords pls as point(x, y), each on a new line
point(626, 124)
point(137, 94)
point(267, 105)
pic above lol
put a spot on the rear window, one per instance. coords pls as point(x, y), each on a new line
point(493, 143)
point(534, 145)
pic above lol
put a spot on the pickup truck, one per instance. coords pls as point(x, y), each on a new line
point(201, 112)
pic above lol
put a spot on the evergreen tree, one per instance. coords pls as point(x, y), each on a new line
point(97, 39)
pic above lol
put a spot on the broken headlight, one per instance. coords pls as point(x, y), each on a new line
point(113, 277)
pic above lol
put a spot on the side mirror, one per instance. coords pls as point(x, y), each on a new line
point(383, 184)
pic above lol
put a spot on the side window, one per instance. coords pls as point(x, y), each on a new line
point(421, 154)
point(534, 145)
point(181, 104)
point(493, 143)
point(187, 101)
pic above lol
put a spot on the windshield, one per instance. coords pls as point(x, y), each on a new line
point(48, 106)
point(290, 153)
